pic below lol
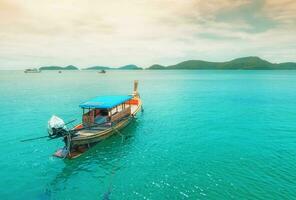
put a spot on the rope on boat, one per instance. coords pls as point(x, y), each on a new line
point(119, 133)
point(106, 195)
point(68, 146)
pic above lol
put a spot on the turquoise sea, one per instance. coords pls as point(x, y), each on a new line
point(203, 135)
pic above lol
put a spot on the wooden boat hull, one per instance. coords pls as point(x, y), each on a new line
point(102, 134)
point(81, 144)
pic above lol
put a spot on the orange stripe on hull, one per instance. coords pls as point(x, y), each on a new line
point(79, 126)
point(133, 102)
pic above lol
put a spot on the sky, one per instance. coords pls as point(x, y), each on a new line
point(86, 33)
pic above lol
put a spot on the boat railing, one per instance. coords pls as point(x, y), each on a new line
point(119, 115)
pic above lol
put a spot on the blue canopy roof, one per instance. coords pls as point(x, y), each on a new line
point(105, 102)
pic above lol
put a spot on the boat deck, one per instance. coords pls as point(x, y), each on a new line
point(100, 129)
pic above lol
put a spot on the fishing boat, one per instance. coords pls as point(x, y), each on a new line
point(34, 70)
point(102, 117)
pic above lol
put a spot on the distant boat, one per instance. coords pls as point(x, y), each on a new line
point(33, 70)
point(102, 71)
point(60, 72)
point(102, 117)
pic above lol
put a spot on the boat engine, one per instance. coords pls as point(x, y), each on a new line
point(56, 127)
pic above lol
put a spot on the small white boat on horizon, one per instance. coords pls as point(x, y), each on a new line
point(32, 70)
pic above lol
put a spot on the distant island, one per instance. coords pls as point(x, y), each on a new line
point(246, 63)
point(125, 67)
point(69, 67)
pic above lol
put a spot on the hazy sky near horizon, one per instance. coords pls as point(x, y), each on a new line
point(85, 33)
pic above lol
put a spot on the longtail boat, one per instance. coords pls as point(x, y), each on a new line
point(102, 117)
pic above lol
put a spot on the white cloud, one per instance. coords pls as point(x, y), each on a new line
point(283, 11)
point(142, 32)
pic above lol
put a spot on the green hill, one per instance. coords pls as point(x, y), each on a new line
point(97, 68)
point(156, 66)
point(246, 63)
point(130, 67)
point(69, 67)
point(125, 67)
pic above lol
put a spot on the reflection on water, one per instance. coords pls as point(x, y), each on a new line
point(107, 156)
